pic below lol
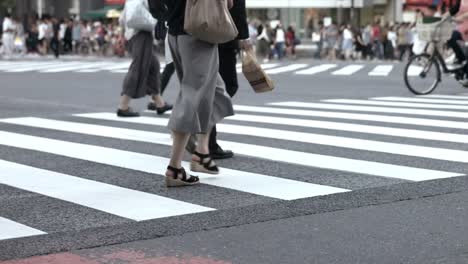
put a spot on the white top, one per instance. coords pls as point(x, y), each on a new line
point(264, 35)
point(280, 37)
point(63, 28)
point(42, 30)
point(392, 36)
point(8, 25)
point(347, 34)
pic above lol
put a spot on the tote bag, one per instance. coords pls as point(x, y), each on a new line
point(138, 17)
point(210, 21)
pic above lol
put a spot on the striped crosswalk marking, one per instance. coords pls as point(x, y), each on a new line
point(245, 149)
point(259, 184)
point(381, 70)
point(125, 69)
point(410, 105)
point(342, 142)
point(422, 100)
point(115, 66)
point(44, 66)
point(348, 70)
point(10, 229)
point(354, 116)
point(317, 69)
point(452, 97)
point(289, 68)
point(12, 65)
point(33, 67)
point(390, 110)
point(108, 198)
point(265, 66)
point(77, 67)
point(366, 129)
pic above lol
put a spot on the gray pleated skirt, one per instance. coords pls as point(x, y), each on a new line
point(202, 100)
point(143, 77)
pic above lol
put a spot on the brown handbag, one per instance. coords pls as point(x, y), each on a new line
point(253, 72)
point(210, 21)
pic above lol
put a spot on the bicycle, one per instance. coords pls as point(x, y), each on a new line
point(426, 67)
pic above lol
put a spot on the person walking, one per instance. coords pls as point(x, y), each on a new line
point(55, 41)
point(403, 41)
point(347, 44)
point(143, 77)
point(201, 102)
point(8, 36)
point(227, 68)
point(68, 37)
point(291, 42)
point(264, 42)
point(377, 41)
point(331, 38)
point(280, 40)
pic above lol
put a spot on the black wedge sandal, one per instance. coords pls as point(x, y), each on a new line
point(180, 178)
point(205, 165)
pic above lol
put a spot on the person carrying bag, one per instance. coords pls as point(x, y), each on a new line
point(210, 21)
point(144, 73)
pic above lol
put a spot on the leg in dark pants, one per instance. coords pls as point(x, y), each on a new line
point(166, 76)
point(227, 69)
point(453, 44)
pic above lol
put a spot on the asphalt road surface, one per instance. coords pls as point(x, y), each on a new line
point(333, 143)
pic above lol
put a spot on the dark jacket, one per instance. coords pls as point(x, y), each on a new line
point(239, 15)
point(174, 12)
point(171, 11)
point(455, 8)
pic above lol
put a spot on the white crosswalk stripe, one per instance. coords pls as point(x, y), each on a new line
point(453, 97)
point(422, 100)
point(399, 104)
point(381, 70)
point(284, 69)
point(121, 67)
point(375, 109)
point(105, 197)
point(256, 132)
point(348, 70)
point(317, 69)
point(10, 229)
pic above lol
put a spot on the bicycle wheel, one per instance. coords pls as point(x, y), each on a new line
point(422, 74)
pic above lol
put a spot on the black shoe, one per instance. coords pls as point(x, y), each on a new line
point(160, 110)
point(164, 109)
point(127, 113)
point(219, 153)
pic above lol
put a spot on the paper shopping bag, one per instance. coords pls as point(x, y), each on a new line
point(254, 73)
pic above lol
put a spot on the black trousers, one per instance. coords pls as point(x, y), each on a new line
point(166, 76)
point(55, 46)
point(227, 69)
point(453, 44)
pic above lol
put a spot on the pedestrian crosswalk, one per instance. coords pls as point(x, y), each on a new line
point(121, 67)
point(371, 142)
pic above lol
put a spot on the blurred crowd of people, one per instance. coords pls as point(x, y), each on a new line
point(50, 35)
point(373, 41)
